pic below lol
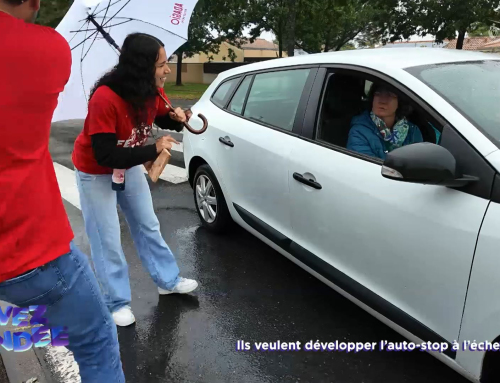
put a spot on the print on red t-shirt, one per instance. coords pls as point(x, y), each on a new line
point(109, 113)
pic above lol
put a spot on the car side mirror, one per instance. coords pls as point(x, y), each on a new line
point(424, 163)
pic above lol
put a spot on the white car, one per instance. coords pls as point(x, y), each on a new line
point(414, 239)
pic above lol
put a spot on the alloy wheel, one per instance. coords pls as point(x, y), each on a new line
point(206, 199)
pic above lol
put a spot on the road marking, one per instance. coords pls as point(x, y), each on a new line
point(67, 184)
point(178, 147)
point(69, 189)
point(173, 174)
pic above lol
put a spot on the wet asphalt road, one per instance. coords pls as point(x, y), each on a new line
point(247, 292)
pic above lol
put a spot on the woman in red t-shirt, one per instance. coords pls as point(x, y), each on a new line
point(122, 108)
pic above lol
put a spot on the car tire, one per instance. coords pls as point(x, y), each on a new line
point(209, 199)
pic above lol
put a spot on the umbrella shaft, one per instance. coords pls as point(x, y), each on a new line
point(105, 34)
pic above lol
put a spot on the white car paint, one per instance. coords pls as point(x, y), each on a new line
point(259, 168)
point(482, 313)
point(416, 268)
point(426, 273)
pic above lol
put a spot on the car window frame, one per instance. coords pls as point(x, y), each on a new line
point(231, 92)
point(230, 100)
point(327, 76)
point(313, 114)
point(301, 108)
point(310, 126)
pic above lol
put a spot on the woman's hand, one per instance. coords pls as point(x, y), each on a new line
point(178, 115)
point(165, 143)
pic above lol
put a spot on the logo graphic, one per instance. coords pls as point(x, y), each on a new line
point(40, 336)
point(137, 138)
point(178, 15)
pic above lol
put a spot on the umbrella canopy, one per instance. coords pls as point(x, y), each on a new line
point(95, 29)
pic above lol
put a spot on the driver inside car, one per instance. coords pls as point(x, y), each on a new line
point(384, 128)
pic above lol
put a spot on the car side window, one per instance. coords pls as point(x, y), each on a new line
point(275, 96)
point(224, 91)
point(239, 97)
point(343, 99)
point(347, 102)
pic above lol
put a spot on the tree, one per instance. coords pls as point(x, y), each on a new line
point(212, 23)
point(271, 16)
point(444, 19)
point(317, 25)
point(52, 12)
point(288, 20)
point(482, 29)
point(291, 26)
point(328, 25)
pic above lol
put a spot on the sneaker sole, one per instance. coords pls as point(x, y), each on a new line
point(124, 323)
point(187, 290)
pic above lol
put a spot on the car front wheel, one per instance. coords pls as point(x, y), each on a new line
point(210, 202)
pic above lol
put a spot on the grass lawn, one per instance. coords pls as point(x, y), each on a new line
point(185, 92)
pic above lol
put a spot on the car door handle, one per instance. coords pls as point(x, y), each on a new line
point(226, 141)
point(299, 177)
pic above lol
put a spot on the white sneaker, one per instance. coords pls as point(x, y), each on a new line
point(184, 286)
point(124, 316)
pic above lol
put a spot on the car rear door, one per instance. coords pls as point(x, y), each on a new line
point(403, 249)
point(257, 130)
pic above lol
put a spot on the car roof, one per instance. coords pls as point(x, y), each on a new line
point(399, 58)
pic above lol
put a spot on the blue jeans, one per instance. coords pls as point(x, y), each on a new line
point(69, 289)
point(98, 202)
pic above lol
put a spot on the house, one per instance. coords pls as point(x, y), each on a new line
point(221, 56)
point(492, 46)
point(261, 50)
point(471, 43)
point(413, 44)
point(203, 68)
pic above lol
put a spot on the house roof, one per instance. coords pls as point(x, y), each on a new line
point(413, 43)
point(471, 43)
point(492, 44)
point(260, 44)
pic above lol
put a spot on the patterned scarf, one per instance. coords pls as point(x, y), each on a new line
point(393, 139)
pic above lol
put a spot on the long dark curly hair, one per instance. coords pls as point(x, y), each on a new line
point(133, 78)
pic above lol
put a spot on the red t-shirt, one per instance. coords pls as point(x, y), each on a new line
point(35, 65)
point(109, 113)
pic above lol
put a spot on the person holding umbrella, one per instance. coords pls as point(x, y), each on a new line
point(123, 105)
point(39, 263)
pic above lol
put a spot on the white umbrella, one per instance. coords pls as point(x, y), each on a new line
point(95, 29)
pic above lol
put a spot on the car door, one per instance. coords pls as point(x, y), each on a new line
point(403, 249)
point(256, 137)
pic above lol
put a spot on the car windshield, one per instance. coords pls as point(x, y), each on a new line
point(473, 88)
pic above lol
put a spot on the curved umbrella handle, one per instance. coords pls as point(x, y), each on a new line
point(186, 124)
point(194, 131)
